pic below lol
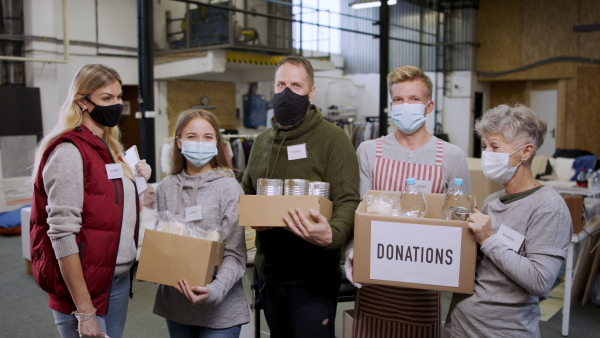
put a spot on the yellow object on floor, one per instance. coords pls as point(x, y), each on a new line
point(553, 304)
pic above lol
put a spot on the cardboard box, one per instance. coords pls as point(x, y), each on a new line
point(481, 186)
point(268, 211)
point(15, 192)
point(348, 328)
point(428, 253)
point(250, 238)
point(166, 258)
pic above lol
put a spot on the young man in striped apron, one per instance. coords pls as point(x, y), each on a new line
point(385, 163)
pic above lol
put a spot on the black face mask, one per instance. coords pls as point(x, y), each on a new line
point(107, 116)
point(289, 107)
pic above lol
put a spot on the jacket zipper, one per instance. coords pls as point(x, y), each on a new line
point(81, 251)
point(120, 226)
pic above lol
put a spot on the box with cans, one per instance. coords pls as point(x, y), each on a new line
point(275, 197)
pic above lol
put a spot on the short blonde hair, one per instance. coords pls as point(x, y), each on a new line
point(406, 73)
point(514, 123)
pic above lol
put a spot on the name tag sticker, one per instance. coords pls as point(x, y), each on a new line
point(510, 237)
point(193, 213)
point(296, 152)
point(424, 186)
point(114, 171)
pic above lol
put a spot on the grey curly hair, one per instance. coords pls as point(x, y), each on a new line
point(514, 123)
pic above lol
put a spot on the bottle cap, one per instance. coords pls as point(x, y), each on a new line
point(458, 181)
point(410, 180)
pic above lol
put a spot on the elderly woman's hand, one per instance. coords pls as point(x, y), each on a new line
point(481, 225)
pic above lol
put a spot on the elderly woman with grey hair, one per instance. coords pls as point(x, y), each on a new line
point(523, 233)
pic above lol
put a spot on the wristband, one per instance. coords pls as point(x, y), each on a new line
point(84, 317)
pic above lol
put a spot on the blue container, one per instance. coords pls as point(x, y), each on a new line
point(255, 111)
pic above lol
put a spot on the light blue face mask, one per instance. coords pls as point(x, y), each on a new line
point(408, 117)
point(199, 153)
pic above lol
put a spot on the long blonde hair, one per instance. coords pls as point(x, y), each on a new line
point(87, 80)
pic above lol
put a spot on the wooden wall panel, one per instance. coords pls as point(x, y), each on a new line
point(588, 113)
point(515, 33)
point(508, 92)
point(183, 94)
point(498, 31)
point(571, 115)
point(548, 29)
point(589, 43)
point(561, 118)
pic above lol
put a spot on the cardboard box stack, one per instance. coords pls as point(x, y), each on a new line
point(428, 253)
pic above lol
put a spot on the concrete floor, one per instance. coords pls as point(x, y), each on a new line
point(24, 311)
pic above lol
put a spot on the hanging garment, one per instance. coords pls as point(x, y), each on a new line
point(387, 311)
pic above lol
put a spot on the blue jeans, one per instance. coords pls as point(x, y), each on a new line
point(177, 330)
point(112, 323)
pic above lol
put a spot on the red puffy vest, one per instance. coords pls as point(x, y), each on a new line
point(98, 239)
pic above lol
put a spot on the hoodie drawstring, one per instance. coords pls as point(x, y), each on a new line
point(180, 194)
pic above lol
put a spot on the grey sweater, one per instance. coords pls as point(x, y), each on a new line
point(454, 162)
point(63, 181)
point(509, 284)
point(217, 192)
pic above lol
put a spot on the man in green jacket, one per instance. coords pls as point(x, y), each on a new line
point(300, 264)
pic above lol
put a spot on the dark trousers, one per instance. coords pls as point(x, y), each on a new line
point(302, 310)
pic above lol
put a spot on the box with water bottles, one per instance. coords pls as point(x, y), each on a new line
point(429, 252)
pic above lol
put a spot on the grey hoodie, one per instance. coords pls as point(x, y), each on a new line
point(217, 192)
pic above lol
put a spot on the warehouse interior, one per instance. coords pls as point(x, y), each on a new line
point(220, 55)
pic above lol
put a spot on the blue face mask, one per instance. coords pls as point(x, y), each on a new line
point(199, 153)
point(408, 117)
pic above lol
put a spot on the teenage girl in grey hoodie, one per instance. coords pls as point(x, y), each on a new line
point(202, 180)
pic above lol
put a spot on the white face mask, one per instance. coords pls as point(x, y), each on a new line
point(409, 117)
point(495, 166)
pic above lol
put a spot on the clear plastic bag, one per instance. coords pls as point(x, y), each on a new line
point(383, 204)
point(167, 221)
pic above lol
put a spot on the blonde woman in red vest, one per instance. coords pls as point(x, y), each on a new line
point(84, 217)
point(385, 163)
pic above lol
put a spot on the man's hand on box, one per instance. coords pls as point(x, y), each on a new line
point(195, 294)
point(316, 233)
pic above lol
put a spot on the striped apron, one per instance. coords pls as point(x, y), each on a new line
point(387, 311)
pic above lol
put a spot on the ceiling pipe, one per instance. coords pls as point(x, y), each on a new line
point(65, 11)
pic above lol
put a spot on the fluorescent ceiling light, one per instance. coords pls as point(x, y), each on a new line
point(369, 3)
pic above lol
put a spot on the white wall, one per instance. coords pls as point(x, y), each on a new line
point(457, 117)
point(44, 18)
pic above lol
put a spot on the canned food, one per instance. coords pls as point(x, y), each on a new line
point(460, 213)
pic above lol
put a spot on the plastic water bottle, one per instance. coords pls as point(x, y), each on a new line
point(581, 181)
point(596, 181)
point(412, 201)
point(455, 197)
